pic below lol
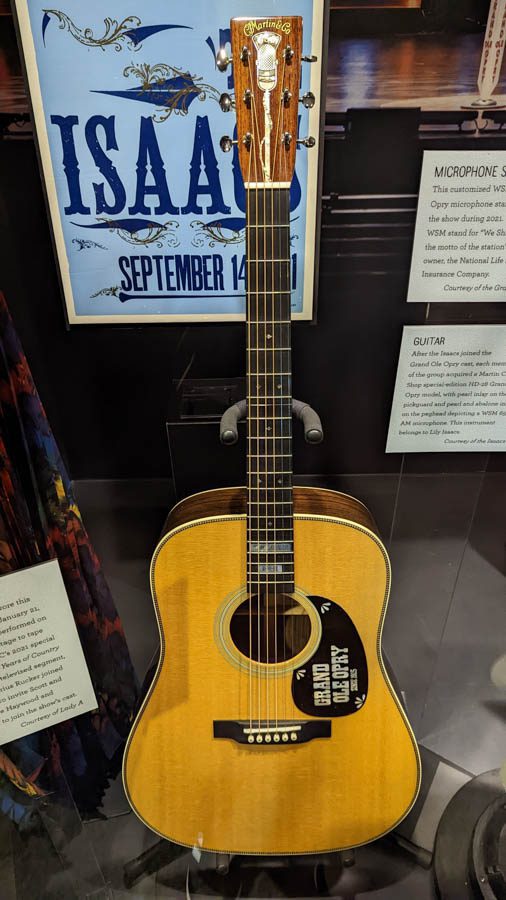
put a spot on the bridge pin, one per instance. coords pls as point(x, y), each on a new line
point(285, 737)
point(293, 736)
point(268, 738)
point(251, 739)
point(276, 738)
point(259, 738)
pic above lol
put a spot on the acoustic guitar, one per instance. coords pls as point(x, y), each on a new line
point(271, 726)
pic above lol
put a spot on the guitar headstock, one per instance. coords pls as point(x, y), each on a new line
point(266, 59)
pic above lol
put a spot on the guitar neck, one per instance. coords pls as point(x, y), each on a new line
point(270, 468)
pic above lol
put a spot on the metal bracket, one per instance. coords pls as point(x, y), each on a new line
point(313, 431)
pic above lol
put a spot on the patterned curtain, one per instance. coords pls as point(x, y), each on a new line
point(39, 520)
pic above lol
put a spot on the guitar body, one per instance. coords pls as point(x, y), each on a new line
point(197, 785)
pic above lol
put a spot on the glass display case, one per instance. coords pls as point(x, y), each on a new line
point(137, 412)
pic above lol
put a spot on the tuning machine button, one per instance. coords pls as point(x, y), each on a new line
point(307, 142)
point(226, 102)
point(226, 143)
point(308, 100)
point(222, 59)
point(309, 59)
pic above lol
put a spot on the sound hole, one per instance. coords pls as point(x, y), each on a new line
point(270, 629)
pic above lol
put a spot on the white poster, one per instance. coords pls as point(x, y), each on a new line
point(459, 252)
point(43, 675)
point(450, 392)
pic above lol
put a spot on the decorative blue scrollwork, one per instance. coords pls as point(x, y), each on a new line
point(130, 32)
point(107, 292)
point(219, 231)
point(170, 89)
point(140, 232)
point(83, 244)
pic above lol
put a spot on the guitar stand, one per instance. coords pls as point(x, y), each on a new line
point(229, 434)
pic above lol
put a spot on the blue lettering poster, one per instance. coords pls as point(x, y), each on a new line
point(148, 214)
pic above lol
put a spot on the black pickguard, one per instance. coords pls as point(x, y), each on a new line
point(334, 681)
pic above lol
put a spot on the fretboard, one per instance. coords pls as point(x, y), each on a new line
point(270, 509)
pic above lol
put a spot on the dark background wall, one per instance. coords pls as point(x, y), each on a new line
point(106, 389)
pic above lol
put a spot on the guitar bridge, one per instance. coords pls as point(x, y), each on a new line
point(279, 734)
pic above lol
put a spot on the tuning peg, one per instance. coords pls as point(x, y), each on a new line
point(309, 59)
point(226, 102)
point(227, 143)
point(307, 142)
point(308, 100)
point(222, 59)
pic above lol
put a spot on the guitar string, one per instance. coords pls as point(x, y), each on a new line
point(255, 303)
point(265, 455)
point(283, 411)
point(269, 527)
point(287, 331)
point(274, 491)
point(284, 368)
point(248, 529)
point(249, 296)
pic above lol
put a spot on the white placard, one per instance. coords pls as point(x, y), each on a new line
point(43, 675)
point(459, 253)
point(450, 393)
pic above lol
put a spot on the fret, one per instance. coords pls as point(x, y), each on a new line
point(281, 513)
point(271, 503)
point(271, 437)
point(271, 350)
point(279, 478)
point(268, 291)
point(268, 450)
point(272, 456)
point(263, 386)
point(253, 261)
point(267, 225)
point(284, 587)
point(282, 517)
point(274, 502)
point(262, 547)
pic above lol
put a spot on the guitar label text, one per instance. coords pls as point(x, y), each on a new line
point(254, 25)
